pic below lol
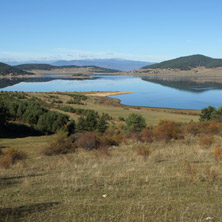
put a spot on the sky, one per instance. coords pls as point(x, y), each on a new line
point(144, 30)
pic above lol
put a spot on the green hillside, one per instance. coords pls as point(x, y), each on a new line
point(187, 63)
point(51, 67)
point(35, 66)
point(10, 70)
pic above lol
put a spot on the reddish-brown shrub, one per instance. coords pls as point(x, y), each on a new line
point(147, 135)
point(167, 130)
point(218, 154)
point(87, 141)
point(61, 144)
point(206, 141)
point(207, 127)
point(143, 151)
point(106, 140)
point(11, 157)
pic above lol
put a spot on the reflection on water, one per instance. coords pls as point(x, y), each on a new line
point(186, 85)
point(154, 93)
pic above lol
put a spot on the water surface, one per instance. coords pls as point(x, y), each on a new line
point(145, 93)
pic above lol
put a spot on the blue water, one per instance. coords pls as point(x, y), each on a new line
point(144, 93)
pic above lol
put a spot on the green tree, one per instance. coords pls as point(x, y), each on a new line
point(102, 124)
point(4, 115)
point(135, 122)
point(206, 113)
point(81, 124)
point(91, 121)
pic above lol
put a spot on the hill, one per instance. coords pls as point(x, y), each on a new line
point(35, 66)
point(49, 67)
point(10, 70)
point(119, 64)
point(187, 63)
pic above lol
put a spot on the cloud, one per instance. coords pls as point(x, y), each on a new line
point(72, 54)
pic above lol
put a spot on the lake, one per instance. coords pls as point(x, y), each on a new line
point(152, 93)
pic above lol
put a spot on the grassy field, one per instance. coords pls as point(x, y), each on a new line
point(100, 103)
point(177, 181)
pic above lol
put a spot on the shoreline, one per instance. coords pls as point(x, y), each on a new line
point(107, 94)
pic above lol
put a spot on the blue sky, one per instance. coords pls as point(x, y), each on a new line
point(147, 30)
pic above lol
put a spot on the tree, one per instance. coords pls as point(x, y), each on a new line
point(206, 113)
point(81, 124)
point(102, 125)
point(3, 114)
point(135, 122)
point(91, 121)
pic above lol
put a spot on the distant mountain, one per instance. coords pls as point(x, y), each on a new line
point(118, 64)
point(10, 70)
point(49, 67)
point(187, 63)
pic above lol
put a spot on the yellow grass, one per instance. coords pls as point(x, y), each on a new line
point(179, 181)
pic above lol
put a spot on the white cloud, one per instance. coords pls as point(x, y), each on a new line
point(72, 54)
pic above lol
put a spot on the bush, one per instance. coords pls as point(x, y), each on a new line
point(135, 122)
point(218, 154)
point(108, 140)
point(102, 125)
point(206, 113)
point(61, 144)
point(167, 130)
point(143, 151)
point(206, 141)
point(11, 157)
point(147, 135)
point(87, 141)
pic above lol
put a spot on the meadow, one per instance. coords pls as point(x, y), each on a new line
point(168, 172)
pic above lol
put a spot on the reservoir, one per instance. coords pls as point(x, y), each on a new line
point(145, 92)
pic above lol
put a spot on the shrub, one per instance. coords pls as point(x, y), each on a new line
point(218, 154)
point(147, 135)
point(61, 144)
point(108, 140)
point(206, 113)
point(167, 130)
point(87, 141)
point(135, 122)
point(10, 157)
point(206, 141)
point(102, 125)
point(143, 151)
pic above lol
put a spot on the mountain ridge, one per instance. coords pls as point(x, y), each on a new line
point(187, 63)
point(49, 67)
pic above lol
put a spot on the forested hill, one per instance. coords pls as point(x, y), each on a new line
point(10, 70)
point(187, 63)
point(51, 67)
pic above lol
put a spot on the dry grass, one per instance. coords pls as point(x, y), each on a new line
point(179, 181)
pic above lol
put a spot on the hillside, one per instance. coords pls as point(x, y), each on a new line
point(35, 66)
point(49, 67)
point(187, 63)
point(119, 64)
point(10, 70)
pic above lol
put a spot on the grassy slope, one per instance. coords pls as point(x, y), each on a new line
point(114, 109)
point(6, 70)
point(177, 182)
point(48, 67)
point(187, 62)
